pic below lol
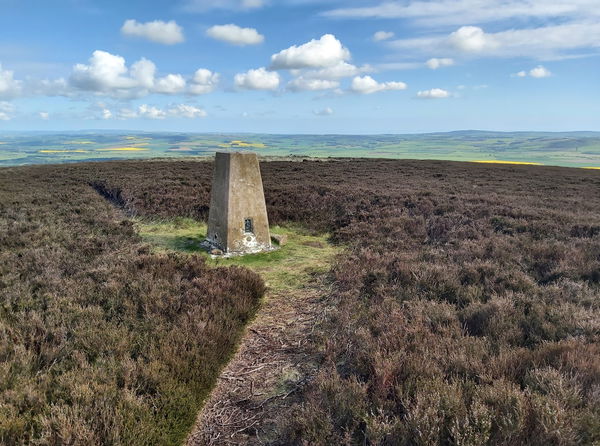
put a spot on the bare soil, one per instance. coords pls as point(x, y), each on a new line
point(276, 359)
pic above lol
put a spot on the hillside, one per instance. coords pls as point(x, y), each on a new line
point(463, 310)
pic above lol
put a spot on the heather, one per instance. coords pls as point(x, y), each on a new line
point(465, 305)
point(102, 341)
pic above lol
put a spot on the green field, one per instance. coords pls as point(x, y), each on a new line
point(571, 149)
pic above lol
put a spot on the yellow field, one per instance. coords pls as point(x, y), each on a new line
point(257, 145)
point(506, 162)
point(596, 168)
point(122, 149)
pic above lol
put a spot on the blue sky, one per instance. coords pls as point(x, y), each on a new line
point(300, 66)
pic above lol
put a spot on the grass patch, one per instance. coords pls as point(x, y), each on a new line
point(291, 266)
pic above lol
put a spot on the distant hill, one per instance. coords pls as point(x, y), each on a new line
point(571, 149)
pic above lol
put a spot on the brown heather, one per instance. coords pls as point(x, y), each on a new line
point(466, 304)
point(101, 342)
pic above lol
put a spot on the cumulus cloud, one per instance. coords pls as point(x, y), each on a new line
point(44, 115)
point(434, 93)
point(9, 86)
point(537, 72)
point(368, 85)
point(469, 39)
point(106, 113)
point(170, 84)
point(540, 71)
point(235, 35)
point(203, 82)
point(325, 52)
point(259, 79)
point(327, 111)
point(104, 73)
point(303, 84)
point(167, 33)
point(382, 35)
point(109, 75)
point(435, 63)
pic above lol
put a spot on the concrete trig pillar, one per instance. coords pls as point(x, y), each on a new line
point(237, 220)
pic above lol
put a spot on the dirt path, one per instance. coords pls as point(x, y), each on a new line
point(276, 357)
point(274, 361)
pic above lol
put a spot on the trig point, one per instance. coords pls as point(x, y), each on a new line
point(237, 220)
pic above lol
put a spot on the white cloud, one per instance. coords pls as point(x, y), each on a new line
point(458, 12)
point(106, 113)
point(259, 79)
point(167, 33)
point(205, 5)
point(547, 42)
point(338, 71)
point(327, 111)
point(304, 84)
point(186, 111)
point(9, 86)
point(104, 73)
point(325, 52)
point(44, 115)
point(382, 35)
point(6, 110)
point(435, 63)
point(203, 82)
point(539, 72)
point(368, 85)
point(150, 112)
point(235, 35)
point(469, 39)
point(170, 84)
point(434, 93)
point(109, 75)
point(143, 72)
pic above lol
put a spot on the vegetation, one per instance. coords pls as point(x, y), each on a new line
point(465, 309)
point(101, 340)
point(466, 306)
point(290, 267)
point(575, 149)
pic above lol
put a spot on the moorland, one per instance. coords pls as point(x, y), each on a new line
point(464, 303)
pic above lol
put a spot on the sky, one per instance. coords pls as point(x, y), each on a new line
point(300, 66)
